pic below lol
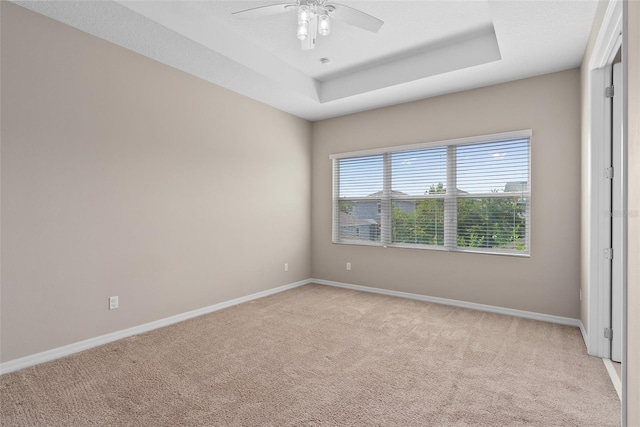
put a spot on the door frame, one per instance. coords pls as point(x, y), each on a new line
point(608, 42)
point(618, 223)
point(610, 38)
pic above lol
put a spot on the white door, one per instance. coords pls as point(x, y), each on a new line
point(617, 214)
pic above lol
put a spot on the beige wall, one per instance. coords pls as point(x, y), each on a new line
point(548, 281)
point(633, 231)
point(122, 176)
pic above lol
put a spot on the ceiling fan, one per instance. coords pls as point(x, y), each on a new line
point(314, 17)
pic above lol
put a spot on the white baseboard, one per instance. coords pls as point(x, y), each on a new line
point(456, 303)
point(615, 379)
point(56, 353)
point(585, 336)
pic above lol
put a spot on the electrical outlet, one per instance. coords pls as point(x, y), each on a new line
point(113, 303)
point(348, 266)
point(286, 266)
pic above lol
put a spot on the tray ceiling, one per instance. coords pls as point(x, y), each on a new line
point(424, 48)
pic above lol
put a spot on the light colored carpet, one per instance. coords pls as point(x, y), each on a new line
point(317, 356)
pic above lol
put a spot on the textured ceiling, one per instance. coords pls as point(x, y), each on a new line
point(424, 48)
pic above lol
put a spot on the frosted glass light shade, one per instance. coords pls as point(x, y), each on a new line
point(303, 31)
point(324, 25)
point(304, 14)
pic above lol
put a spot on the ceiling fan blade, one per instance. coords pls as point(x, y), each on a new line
point(272, 9)
point(354, 17)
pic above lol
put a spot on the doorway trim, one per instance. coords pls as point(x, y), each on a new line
point(610, 39)
point(608, 42)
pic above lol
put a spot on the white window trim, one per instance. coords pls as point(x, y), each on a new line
point(496, 137)
point(450, 198)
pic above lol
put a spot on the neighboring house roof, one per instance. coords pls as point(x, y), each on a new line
point(378, 194)
point(516, 187)
point(347, 220)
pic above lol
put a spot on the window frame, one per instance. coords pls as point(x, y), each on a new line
point(451, 196)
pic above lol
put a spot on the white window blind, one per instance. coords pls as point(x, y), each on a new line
point(467, 195)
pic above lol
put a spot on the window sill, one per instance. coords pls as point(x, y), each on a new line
point(433, 248)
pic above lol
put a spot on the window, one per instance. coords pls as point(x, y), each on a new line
point(470, 194)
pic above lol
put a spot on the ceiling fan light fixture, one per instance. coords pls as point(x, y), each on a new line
point(324, 24)
point(313, 18)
